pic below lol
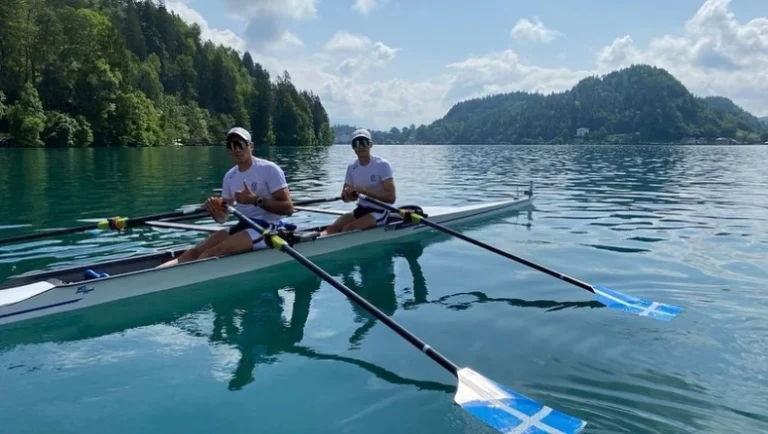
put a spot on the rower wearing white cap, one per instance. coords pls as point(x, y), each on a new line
point(368, 175)
point(258, 189)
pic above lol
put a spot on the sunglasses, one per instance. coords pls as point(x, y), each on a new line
point(231, 144)
point(361, 143)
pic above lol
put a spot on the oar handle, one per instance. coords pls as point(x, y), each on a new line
point(417, 218)
point(280, 244)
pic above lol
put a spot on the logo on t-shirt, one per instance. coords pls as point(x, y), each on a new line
point(373, 178)
point(254, 184)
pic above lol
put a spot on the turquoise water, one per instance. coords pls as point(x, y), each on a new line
point(282, 351)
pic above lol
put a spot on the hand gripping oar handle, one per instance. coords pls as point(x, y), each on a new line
point(116, 223)
point(279, 244)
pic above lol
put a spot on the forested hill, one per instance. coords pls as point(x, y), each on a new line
point(764, 120)
point(639, 103)
point(130, 73)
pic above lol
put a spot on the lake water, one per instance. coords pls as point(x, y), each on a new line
point(281, 351)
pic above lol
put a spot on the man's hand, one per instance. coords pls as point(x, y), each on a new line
point(245, 195)
point(215, 207)
point(350, 193)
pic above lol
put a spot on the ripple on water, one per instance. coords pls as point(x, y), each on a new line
point(679, 225)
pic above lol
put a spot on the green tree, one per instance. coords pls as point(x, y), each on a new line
point(132, 73)
point(26, 118)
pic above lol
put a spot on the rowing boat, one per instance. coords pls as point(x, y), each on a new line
point(46, 293)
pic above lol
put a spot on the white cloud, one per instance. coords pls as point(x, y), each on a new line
point(287, 40)
point(225, 37)
point(370, 54)
point(293, 9)
point(343, 40)
point(500, 72)
point(378, 56)
point(534, 31)
point(715, 54)
point(365, 7)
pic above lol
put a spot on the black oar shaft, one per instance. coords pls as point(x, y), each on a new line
point(136, 221)
point(128, 223)
point(489, 247)
point(45, 234)
point(508, 255)
point(314, 201)
point(362, 302)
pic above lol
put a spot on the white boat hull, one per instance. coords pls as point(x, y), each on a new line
point(47, 296)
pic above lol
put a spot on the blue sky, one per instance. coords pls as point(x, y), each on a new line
point(384, 63)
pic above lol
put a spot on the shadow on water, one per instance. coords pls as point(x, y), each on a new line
point(248, 309)
point(264, 315)
point(245, 312)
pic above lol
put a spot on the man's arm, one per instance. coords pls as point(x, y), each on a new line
point(280, 203)
point(347, 183)
point(387, 184)
point(389, 194)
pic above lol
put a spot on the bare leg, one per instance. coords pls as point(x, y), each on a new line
point(239, 242)
point(364, 222)
point(339, 224)
point(195, 252)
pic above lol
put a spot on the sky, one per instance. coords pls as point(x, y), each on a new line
point(383, 63)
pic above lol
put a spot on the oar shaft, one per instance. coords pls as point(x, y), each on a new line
point(314, 201)
point(508, 255)
point(493, 249)
point(362, 302)
point(53, 233)
point(105, 224)
point(141, 220)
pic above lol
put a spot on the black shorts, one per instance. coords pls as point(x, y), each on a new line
point(380, 215)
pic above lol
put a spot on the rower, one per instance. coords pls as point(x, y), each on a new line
point(258, 189)
point(368, 175)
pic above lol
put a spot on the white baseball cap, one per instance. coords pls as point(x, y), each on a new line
point(362, 132)
point(242, 132)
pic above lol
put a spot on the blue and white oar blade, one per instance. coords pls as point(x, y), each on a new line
point(627, 303)
point(508, 411)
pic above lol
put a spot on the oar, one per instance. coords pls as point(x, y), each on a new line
point(497, 406)
point(120, 223)
point(115, 223)
point(608, 297)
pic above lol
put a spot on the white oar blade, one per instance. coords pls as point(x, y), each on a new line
point(627, 303)
point(508, 411)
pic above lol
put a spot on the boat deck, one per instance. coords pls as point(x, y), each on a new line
point(122, 266)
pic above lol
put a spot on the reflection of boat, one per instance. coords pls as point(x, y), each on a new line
point(260, 325)
point(45, 293)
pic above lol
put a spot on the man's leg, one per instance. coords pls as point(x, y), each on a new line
point(364, 222)
point(194, 253)
point(370, 220)
point(339, 224)
point(239, 242)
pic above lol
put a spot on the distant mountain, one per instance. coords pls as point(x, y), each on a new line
point(764, 120)
point(638, 103)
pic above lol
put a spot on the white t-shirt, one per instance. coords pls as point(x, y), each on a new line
point(264, 178)
point(369, 176)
